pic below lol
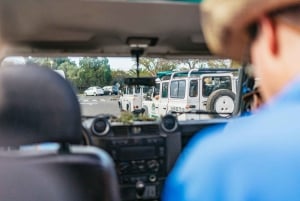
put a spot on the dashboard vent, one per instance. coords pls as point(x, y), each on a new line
point(119, 131)
point(169, 123)
point(100, 126)
point(151, 129)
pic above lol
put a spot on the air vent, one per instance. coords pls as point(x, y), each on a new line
point(169, 123)
point(100, 126)
point(119, 131)
point(151, 130)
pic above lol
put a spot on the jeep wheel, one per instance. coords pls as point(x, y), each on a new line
point(221, 101)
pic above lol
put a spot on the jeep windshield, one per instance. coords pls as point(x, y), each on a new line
point(177, 86)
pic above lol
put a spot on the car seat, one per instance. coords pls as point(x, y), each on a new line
point(37, 105)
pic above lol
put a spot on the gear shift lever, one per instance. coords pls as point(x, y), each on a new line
point(140, 189)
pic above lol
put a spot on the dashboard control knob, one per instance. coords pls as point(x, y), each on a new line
point(152, 178)
point(153, 165)
point(123, 167)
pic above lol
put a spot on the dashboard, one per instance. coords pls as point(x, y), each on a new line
point(144, 152)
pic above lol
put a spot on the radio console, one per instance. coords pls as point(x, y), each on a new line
point(143, 154)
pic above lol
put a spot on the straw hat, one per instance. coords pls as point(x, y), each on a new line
point(224, 23)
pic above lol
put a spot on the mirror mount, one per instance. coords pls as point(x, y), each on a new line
point(137, 52)
point(138, 45)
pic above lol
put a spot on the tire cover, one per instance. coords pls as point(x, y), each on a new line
point(221, 100)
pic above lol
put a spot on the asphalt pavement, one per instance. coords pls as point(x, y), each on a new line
point(95, 105)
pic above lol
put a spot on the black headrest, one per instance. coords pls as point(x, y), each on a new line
point(37, 105)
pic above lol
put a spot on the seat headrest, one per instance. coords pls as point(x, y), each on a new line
point(37, 105)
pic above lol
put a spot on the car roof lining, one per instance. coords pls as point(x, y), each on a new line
point(81, 27)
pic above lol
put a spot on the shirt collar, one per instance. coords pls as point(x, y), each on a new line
point(289, 94)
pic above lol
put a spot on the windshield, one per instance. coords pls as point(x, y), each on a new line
point(100, 88)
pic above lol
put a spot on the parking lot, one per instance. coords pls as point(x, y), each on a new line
point(95, 105)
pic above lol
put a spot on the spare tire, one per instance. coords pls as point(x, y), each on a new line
point(221, 101)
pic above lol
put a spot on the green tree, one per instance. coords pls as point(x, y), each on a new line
point(235, 64)
point(94, 71)
point(50, 62)
point(151, 66)
point(217, 63)
point(43, 61)
point(118, 76)
point(142, 72)
point(188, 64)
point(70, 70)
point(60, 60)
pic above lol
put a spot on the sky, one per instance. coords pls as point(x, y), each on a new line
point(116, 63)
point(121, 63)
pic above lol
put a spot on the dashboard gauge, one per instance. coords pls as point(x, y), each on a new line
point(169, 123)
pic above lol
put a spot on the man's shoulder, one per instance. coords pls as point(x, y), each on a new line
point(218, 137)
point(268, 129)
point(240, 135)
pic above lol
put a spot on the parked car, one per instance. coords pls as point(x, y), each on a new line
point(110, 90)
point(94, 91)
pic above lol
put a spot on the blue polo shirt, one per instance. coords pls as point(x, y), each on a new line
point(254, 158)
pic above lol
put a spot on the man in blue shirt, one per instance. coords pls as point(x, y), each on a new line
point(255, 157)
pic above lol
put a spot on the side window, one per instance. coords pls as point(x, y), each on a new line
point(164, 91)
point(156, 89)
point(130, 90)
point(193, 88)
point(181, 89)
point(213, 83)
point(137, 90)
point(178, 89)
point(146, 89)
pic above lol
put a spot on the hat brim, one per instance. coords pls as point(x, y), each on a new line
point(225, 23)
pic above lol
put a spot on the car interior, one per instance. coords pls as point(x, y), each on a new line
point(96, 159)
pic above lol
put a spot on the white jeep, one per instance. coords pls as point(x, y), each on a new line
point(211, 91)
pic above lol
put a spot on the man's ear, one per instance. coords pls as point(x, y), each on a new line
point(269, 32)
